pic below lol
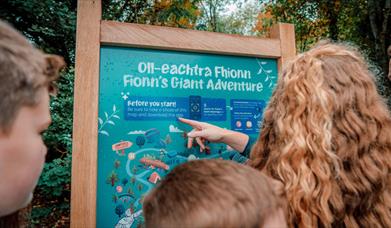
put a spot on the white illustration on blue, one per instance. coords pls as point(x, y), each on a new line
point(127, 221)
point(136, 132)
point(174, 129)
point(108, 119)
point(268, 73)
point(125, 96)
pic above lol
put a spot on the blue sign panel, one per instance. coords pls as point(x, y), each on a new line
point(142, 93)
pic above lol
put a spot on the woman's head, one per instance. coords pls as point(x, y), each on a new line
point(26, 76)
point(326, 136)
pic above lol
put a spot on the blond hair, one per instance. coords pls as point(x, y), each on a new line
point(327, 136)
point(23, 71)
point(211, 193)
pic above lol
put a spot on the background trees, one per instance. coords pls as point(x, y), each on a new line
point(363, 23)
point(51, 26)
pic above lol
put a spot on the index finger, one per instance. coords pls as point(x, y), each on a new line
point(193, 123)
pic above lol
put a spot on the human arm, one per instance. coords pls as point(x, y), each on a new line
point(250, 142)
point(205, 131)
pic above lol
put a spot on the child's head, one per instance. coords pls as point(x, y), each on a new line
point(326, 135)
point(213, 193)
point(26, 78)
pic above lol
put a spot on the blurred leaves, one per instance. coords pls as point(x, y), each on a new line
point(173, 13)
point(362, 23)
point(50, 24)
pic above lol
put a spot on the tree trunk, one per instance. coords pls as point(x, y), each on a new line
point(379, 23)
point(389, 62)
point(386, 35)
point(332, 15)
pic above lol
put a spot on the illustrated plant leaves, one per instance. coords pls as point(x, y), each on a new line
point(104, 132)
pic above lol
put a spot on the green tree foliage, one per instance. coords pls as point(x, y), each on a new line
point(363, 23)
point(173, 13)
point(242, 20)
point(58, 138)
point(50, 24)
point(51, 198)
point(212, 13)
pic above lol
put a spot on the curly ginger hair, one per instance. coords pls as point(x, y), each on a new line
point(326, 136)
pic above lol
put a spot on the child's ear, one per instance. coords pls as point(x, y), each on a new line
point(54, 64)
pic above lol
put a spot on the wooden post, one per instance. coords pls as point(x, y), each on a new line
point(167, 38)
point(286, 34)
point(85, 124)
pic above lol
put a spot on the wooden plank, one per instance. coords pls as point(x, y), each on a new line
point(159, 37)
point(286, 35)
point(85, 124)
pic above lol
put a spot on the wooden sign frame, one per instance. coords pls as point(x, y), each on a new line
point(91, 33)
